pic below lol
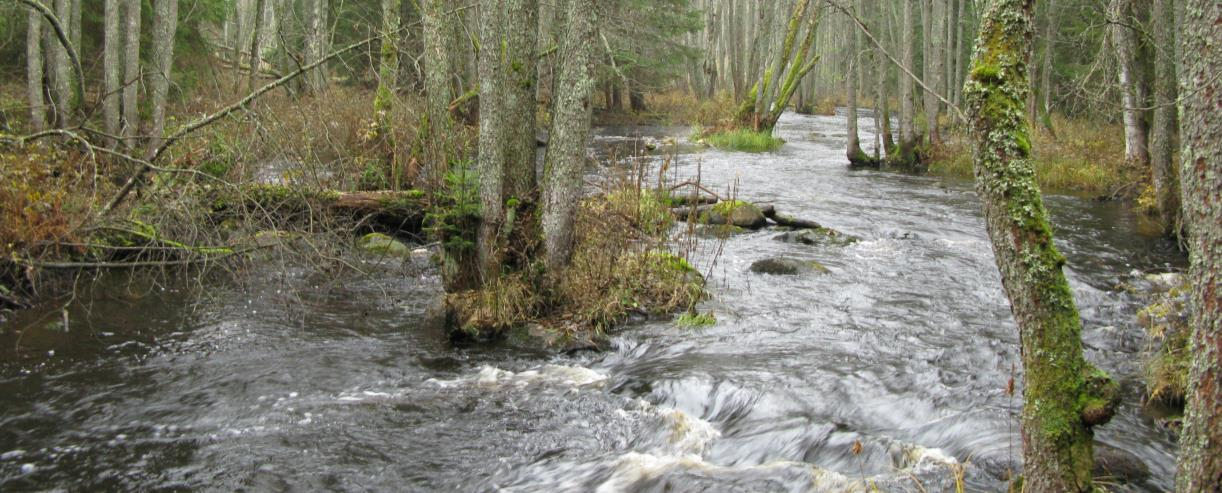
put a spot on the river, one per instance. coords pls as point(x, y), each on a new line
point(294, 379)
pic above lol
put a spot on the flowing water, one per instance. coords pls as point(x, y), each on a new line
point(300, 380)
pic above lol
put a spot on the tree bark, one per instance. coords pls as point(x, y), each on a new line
point(131, 71)
point(1064, 396)
point(907, 147)
point(933, 68)
point(111, 68)
point(384, 98)
point(1164, 173)
point(1136, 152)
point(60, 77)
point(1200, 460)
point(566, 153)
point(165, 24)
point(854, 153)
point(438, 71)
point(256, 48)
point(34, 71)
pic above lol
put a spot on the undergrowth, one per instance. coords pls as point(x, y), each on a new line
point(743, 140)
point(1084, 157)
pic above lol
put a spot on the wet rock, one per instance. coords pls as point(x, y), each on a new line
point(1165, 282)
point(719, 230)
point(788, 267)
point(381, 244)
point(735, 212)
point(1119, 465)
point(816, 237)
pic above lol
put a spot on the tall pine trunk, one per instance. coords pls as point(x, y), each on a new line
point(566, 153)
point(34, 71)
point(1064, 396)
point(1200, 461)
point(165, 24)
point(112, 67)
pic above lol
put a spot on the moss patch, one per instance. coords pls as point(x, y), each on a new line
point(691, 320)
point(743, 140)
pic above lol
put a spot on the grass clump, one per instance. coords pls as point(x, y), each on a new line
point(692, 320)
point(744, 140)
point(1168, 358)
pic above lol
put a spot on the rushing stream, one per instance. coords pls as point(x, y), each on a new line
point(298, 380)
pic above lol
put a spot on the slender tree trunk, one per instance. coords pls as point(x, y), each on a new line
point(438, 71)
point(1163, 170)
point(854, 153)
point(388, 74)
point(256, 48)
point(34, 71)
point(907, 147)
point(1050, 39)
point(957, 80)
point(60, 75)
point(947, 52)
point(316, 44)
point(492, 136)
point(1200, 460)
point(522, 78)
point(112, 67)
point(131, 71)
point(933, 66)
point(566, 154)
point(1136, 152)
point(1064, 396)
point(165, 24)
point(710, 46)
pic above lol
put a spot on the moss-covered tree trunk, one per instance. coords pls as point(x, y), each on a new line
point(566, 153)
point(1064, 396)
point(907, 146)
point(854, 153)
point(770, 95)
point(1200, 462)
point(388, 78)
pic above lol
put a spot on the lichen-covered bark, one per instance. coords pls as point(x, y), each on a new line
point(388, 73)
point(521, 37)
point(1063, 394)
point(1164, 174)
point(438, 70)
point(34, 71)
point(165, 23)
point(566, 152)
point(1200, 462)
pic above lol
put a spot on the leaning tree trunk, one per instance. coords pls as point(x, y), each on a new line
point(566, 153)
point(1164, 174)
point(1200, 461)
point(165, 23)
point(34, 71)
point(112, 68)
point(1136, 154)
point(1064, 396)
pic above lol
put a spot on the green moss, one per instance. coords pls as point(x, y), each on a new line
point(691, 319)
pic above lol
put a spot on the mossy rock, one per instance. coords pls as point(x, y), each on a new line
point(380, 244)
point(782, 266)
point(736, 213)
point(720, 230)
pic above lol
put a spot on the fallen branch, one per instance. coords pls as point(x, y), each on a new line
point(793, 222)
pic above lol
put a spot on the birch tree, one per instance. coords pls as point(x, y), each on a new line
point(1124, 39)
point(1064, 396)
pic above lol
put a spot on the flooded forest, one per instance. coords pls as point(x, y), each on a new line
point(611, 245)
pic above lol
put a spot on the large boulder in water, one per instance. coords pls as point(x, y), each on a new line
point(736, 213)
point(782, 266)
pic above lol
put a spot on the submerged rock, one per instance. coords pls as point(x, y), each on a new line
point(382, 244)
point(788, 267)
point(821, 236)
point(1118, 465)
